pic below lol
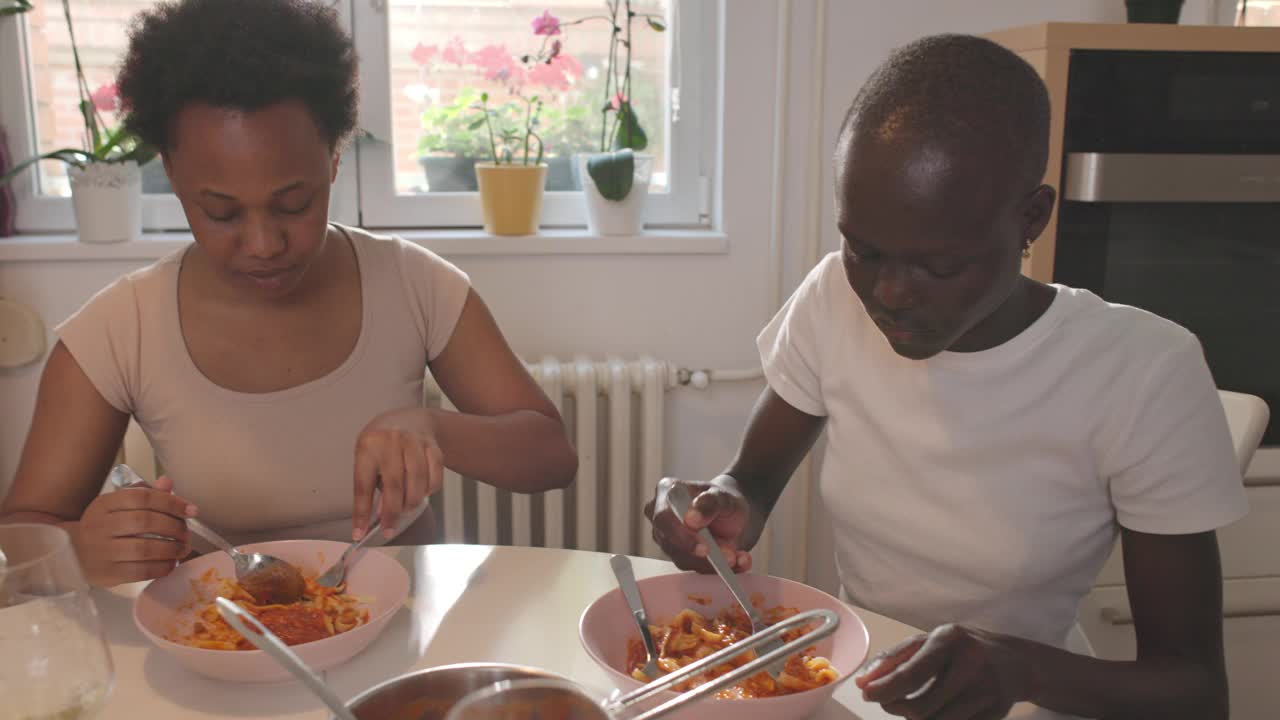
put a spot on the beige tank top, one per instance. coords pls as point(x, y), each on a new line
point(277, 465)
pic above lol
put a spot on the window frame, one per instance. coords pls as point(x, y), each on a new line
point(364, 191)
point(39, 213)
point(47, 213)
point(685, 204)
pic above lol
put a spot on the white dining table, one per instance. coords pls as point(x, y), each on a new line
point(468, 603)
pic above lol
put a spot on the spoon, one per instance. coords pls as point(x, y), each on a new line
point(631, 591)
point(267, 641)
point(267, 578)
point(678, 496)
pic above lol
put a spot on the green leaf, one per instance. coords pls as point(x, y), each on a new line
point(113, 140)
point(657, 24)
point(71, 156)
point(630, 134)
point(141, 153)
point(541, 148)
point(476, 124)
point(613, 173)
point(14, 7)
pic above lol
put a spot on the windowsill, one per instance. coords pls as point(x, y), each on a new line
point(155, 245)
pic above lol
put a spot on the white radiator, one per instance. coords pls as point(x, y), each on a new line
point(614, 413)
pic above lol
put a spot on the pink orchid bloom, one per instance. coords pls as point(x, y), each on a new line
point(423, 54)
point(106, 98)
point(546, 24)
point(496, 62)
point(455, 52)
point(558, 73)
point(618, 100)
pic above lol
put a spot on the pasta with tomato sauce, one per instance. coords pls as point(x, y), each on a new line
point(322, 612)
point(692, 636)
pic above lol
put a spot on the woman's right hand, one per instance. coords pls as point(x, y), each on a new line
point(108, 536)
point(719, 506)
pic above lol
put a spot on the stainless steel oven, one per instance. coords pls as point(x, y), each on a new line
point(1171, 199)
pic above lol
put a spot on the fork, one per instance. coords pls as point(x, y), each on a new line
point(631, 593)
point(336, 574)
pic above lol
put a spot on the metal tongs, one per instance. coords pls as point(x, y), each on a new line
point(494, 697)
point(679, 498)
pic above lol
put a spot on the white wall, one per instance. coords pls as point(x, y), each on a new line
point(701, 311)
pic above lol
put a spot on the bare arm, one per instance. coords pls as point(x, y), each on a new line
point(74, 436)
point(506, 432)
point(736, 504)
point(1175, 589)
point(776, 439)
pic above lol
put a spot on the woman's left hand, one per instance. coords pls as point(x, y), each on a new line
point(971, 674)
point(398, 453)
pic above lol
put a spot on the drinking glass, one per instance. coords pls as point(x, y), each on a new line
point(54, 662)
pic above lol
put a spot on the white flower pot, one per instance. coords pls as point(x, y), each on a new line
point(617, 217)
point(107, 198)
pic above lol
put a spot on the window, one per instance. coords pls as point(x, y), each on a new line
point(101, 26)
point(50, 119)
point(423, 65)
point(425, 62)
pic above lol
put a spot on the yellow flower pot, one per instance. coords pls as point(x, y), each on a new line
point(511, 197)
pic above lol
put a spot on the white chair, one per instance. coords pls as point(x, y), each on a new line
point(1247, 417)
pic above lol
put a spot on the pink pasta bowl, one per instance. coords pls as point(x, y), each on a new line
point(168, 607)
point(606, 626)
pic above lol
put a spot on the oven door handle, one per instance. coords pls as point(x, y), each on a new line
point(1171, 178)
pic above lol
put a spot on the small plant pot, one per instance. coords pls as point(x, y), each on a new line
point(616, 217)
point(1153, 11)
point(511, 197)
point(562, 174)
point(449, 173)
point(154, 178)
point(107, 200)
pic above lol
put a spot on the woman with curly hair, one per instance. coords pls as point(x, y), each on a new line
point(276, 363)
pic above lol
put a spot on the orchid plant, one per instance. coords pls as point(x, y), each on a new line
point(103, 143)
point(452, 126)
point(621, 134)
point(508, 142)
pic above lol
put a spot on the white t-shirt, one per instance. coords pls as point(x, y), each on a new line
point(987, 488)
